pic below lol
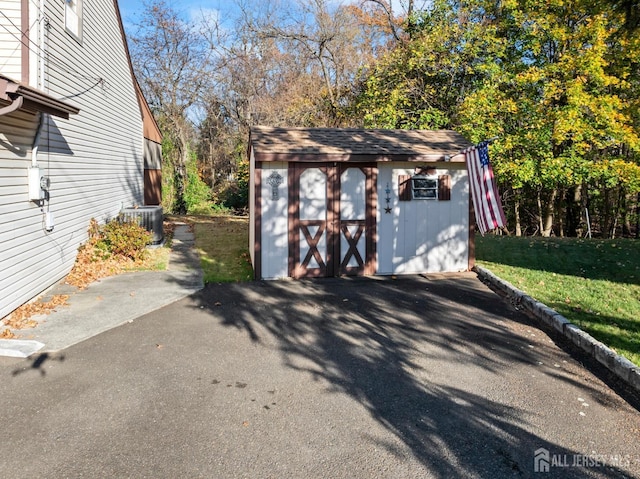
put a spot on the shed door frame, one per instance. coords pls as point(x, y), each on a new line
point(335, 263)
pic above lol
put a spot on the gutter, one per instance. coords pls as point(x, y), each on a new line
point(33, 100)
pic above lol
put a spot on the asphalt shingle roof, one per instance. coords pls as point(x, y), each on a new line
point(291, 144)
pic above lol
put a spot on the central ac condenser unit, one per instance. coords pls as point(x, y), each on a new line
point(149, 217)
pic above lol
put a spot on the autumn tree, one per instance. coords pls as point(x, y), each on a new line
point(421, 82)
point(557, 82)
point(563, 110)
point(173, 64)
point(320, 41)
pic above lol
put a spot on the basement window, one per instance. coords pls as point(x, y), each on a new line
point(424, 187)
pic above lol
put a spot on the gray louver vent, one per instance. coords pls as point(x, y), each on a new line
point(150, 218)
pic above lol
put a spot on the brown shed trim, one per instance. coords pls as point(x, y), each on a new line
point(472, 236)
point(444, 187)
point(404, 187)
point(257, 225)
point(293, 228)
point(371, 260)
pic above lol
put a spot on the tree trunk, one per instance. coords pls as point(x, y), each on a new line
point(516, 210)
point(607, 220)
point(616, 212)
point(539, 204)
point(180, 174)
point(548, 214)
point(638, 216)
point(561, 212)
point(574, 209)
point(626, 216)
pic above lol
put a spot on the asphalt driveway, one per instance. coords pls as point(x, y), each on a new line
point(368, 378)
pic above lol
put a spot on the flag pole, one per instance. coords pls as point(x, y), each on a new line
point(489, 141)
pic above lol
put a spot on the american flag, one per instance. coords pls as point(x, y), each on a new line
point(486, 200)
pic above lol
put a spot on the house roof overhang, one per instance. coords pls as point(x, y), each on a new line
point(355, 145)
point(34, 100)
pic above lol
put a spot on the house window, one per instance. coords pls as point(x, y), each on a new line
point(73, 18)
point(424, 187)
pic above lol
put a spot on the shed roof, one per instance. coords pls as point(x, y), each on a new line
point(351, 144)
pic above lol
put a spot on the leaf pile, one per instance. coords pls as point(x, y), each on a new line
point(90, 267)
point(20, 318)
point(110, 249)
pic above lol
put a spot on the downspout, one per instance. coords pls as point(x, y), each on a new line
point(15, 105)
point(36, 141)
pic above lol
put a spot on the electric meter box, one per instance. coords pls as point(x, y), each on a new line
point(38, 184)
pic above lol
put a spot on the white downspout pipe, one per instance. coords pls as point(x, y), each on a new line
point(36, 141)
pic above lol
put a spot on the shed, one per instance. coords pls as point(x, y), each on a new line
point(332, 202)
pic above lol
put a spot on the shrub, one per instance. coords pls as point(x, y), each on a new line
point(124, 238)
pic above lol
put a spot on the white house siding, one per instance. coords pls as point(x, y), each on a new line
point(275, 229)
point(10, 46)
point(94, 159)
point(423, 235)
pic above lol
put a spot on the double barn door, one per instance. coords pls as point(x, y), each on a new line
point(332, 219)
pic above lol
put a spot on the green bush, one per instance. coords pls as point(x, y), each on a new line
point(197, 194)
point(124, 238)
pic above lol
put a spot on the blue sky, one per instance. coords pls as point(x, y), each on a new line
point(193, 10)
point(190, 10)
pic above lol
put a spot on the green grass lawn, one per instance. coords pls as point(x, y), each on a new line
point(223, 245)
point(594, 283)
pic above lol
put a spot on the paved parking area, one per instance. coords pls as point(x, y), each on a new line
point(357, 378)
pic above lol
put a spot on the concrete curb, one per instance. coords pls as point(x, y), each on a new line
point(619, 365)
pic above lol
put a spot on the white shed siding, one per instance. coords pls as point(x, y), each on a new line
point(275, 229)
point(423, 235)
point(94, 159)
point(10, 46)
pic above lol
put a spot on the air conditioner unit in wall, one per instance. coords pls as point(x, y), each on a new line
point(149, 217)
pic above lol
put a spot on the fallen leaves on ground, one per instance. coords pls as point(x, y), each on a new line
point(91, 265)
point(20, 318)
point(88, 268)
point(7, 334)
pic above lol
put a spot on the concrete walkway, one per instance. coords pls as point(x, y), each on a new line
point(111, 301)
